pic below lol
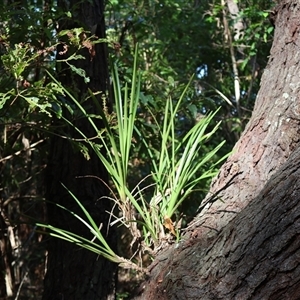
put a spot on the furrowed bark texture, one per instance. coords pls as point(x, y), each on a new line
point(256, 256)
point(272, 133)
point(247, 245)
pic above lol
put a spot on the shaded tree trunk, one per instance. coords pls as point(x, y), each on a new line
point(247, 246)
point(74, 273)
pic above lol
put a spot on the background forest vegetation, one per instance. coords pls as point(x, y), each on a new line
point(222, 45)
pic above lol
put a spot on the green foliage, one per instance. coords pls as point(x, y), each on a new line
point(258, 32)
point(175, 168)
point(179, 38)
point(176, 39)
point(100, 247)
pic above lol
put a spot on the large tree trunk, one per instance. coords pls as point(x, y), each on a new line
point(73, 273)
point(247, 246)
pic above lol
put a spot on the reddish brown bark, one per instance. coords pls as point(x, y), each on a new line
point(247, 246)
point(256, 256)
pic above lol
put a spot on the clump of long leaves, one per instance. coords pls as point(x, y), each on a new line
point(174, 172)
point(97, 245)
point(176, 169)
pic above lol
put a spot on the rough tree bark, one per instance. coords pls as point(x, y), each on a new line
point(74, 273)
point(247, 246)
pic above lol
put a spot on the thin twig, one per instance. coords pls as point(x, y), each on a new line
point(237, 90)
point(21, 151)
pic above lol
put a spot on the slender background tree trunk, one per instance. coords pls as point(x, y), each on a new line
point(73, 273)
point(245, 244)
